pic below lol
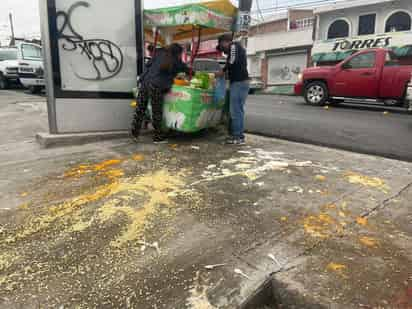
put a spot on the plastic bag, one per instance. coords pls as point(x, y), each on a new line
point(220, 90)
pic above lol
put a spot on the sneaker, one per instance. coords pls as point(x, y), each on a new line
point(230, 141)
point(235, 141)
point(160, 140)
point(240, 142)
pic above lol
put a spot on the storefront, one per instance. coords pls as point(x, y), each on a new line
point(343, 29)
point(279, 49)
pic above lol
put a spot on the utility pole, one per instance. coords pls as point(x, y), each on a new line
point(12, 41)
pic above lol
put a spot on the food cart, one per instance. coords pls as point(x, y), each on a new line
point(191, 105)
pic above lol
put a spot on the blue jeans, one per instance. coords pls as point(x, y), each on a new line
point(238, 95)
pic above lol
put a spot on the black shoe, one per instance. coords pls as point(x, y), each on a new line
point(229, 141)
point(134, 136)
point(235, 141)
point(160, 140)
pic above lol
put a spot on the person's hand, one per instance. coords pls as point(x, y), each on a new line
point(220, 74)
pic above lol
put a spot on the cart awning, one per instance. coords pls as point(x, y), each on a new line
point(214, 17)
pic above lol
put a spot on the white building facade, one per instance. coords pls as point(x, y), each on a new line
point(348, 26)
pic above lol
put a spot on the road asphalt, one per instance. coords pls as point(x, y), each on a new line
point(375, 130)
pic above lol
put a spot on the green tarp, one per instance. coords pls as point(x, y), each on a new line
point(332, 57)
point(405, 51)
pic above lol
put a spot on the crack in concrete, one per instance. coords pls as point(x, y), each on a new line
point(384, 203)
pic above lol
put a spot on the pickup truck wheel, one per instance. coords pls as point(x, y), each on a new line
point(316, 93)
point(3, 82)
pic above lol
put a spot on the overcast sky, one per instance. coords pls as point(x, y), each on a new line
point(26, 13)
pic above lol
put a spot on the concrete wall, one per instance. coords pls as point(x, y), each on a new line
point(299, 14)
point(274, 26)
point(351, 15)
point(279, 40)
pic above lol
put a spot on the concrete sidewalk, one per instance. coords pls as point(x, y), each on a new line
point(120, 225)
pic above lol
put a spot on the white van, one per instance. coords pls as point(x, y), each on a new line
point(23, 64)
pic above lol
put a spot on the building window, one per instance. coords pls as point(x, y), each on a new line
point(302, 23)
point(399, 21)
point(338, 29)
point(363, 61)
point(367, 24)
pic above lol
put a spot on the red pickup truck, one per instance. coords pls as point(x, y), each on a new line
point(369, 74)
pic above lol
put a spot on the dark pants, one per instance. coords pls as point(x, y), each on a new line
point(155, 96)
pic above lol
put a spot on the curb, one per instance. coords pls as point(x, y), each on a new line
point(47, 140)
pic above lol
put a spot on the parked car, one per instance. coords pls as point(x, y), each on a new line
point(23, 64)
point(8, 67)
point(31, 69)
point(375, 74)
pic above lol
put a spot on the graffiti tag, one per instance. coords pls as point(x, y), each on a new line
point(105, 56)
point(286, 73)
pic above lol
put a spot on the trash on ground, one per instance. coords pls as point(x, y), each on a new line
point(274, 259)
point(211, 267)
point(296, 189)
point(241, 273)
point(145, 244)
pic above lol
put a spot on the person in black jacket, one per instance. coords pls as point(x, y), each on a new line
point(155, 83)
point(236, 67)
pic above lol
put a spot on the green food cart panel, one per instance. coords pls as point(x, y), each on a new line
point(191, 110)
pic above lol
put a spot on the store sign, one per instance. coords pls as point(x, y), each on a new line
point(363, 42)
point(243, 21)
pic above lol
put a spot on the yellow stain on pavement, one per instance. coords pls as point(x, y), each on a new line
point(321, 226)
point(362, 221)
point(117, 198)
point(61, 211)
point(113, 174)
point(284, 219)
point(156, 188)
point(24, 206)
point(24, 194)
point(369, 241)
point(320, 178)
point(138, 157)
point(337, 268)
point(366, 181)
point(84, 169)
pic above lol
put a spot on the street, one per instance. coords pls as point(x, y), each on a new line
point(357, 128)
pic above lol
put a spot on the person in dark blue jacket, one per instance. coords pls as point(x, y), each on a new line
point(155, 82)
